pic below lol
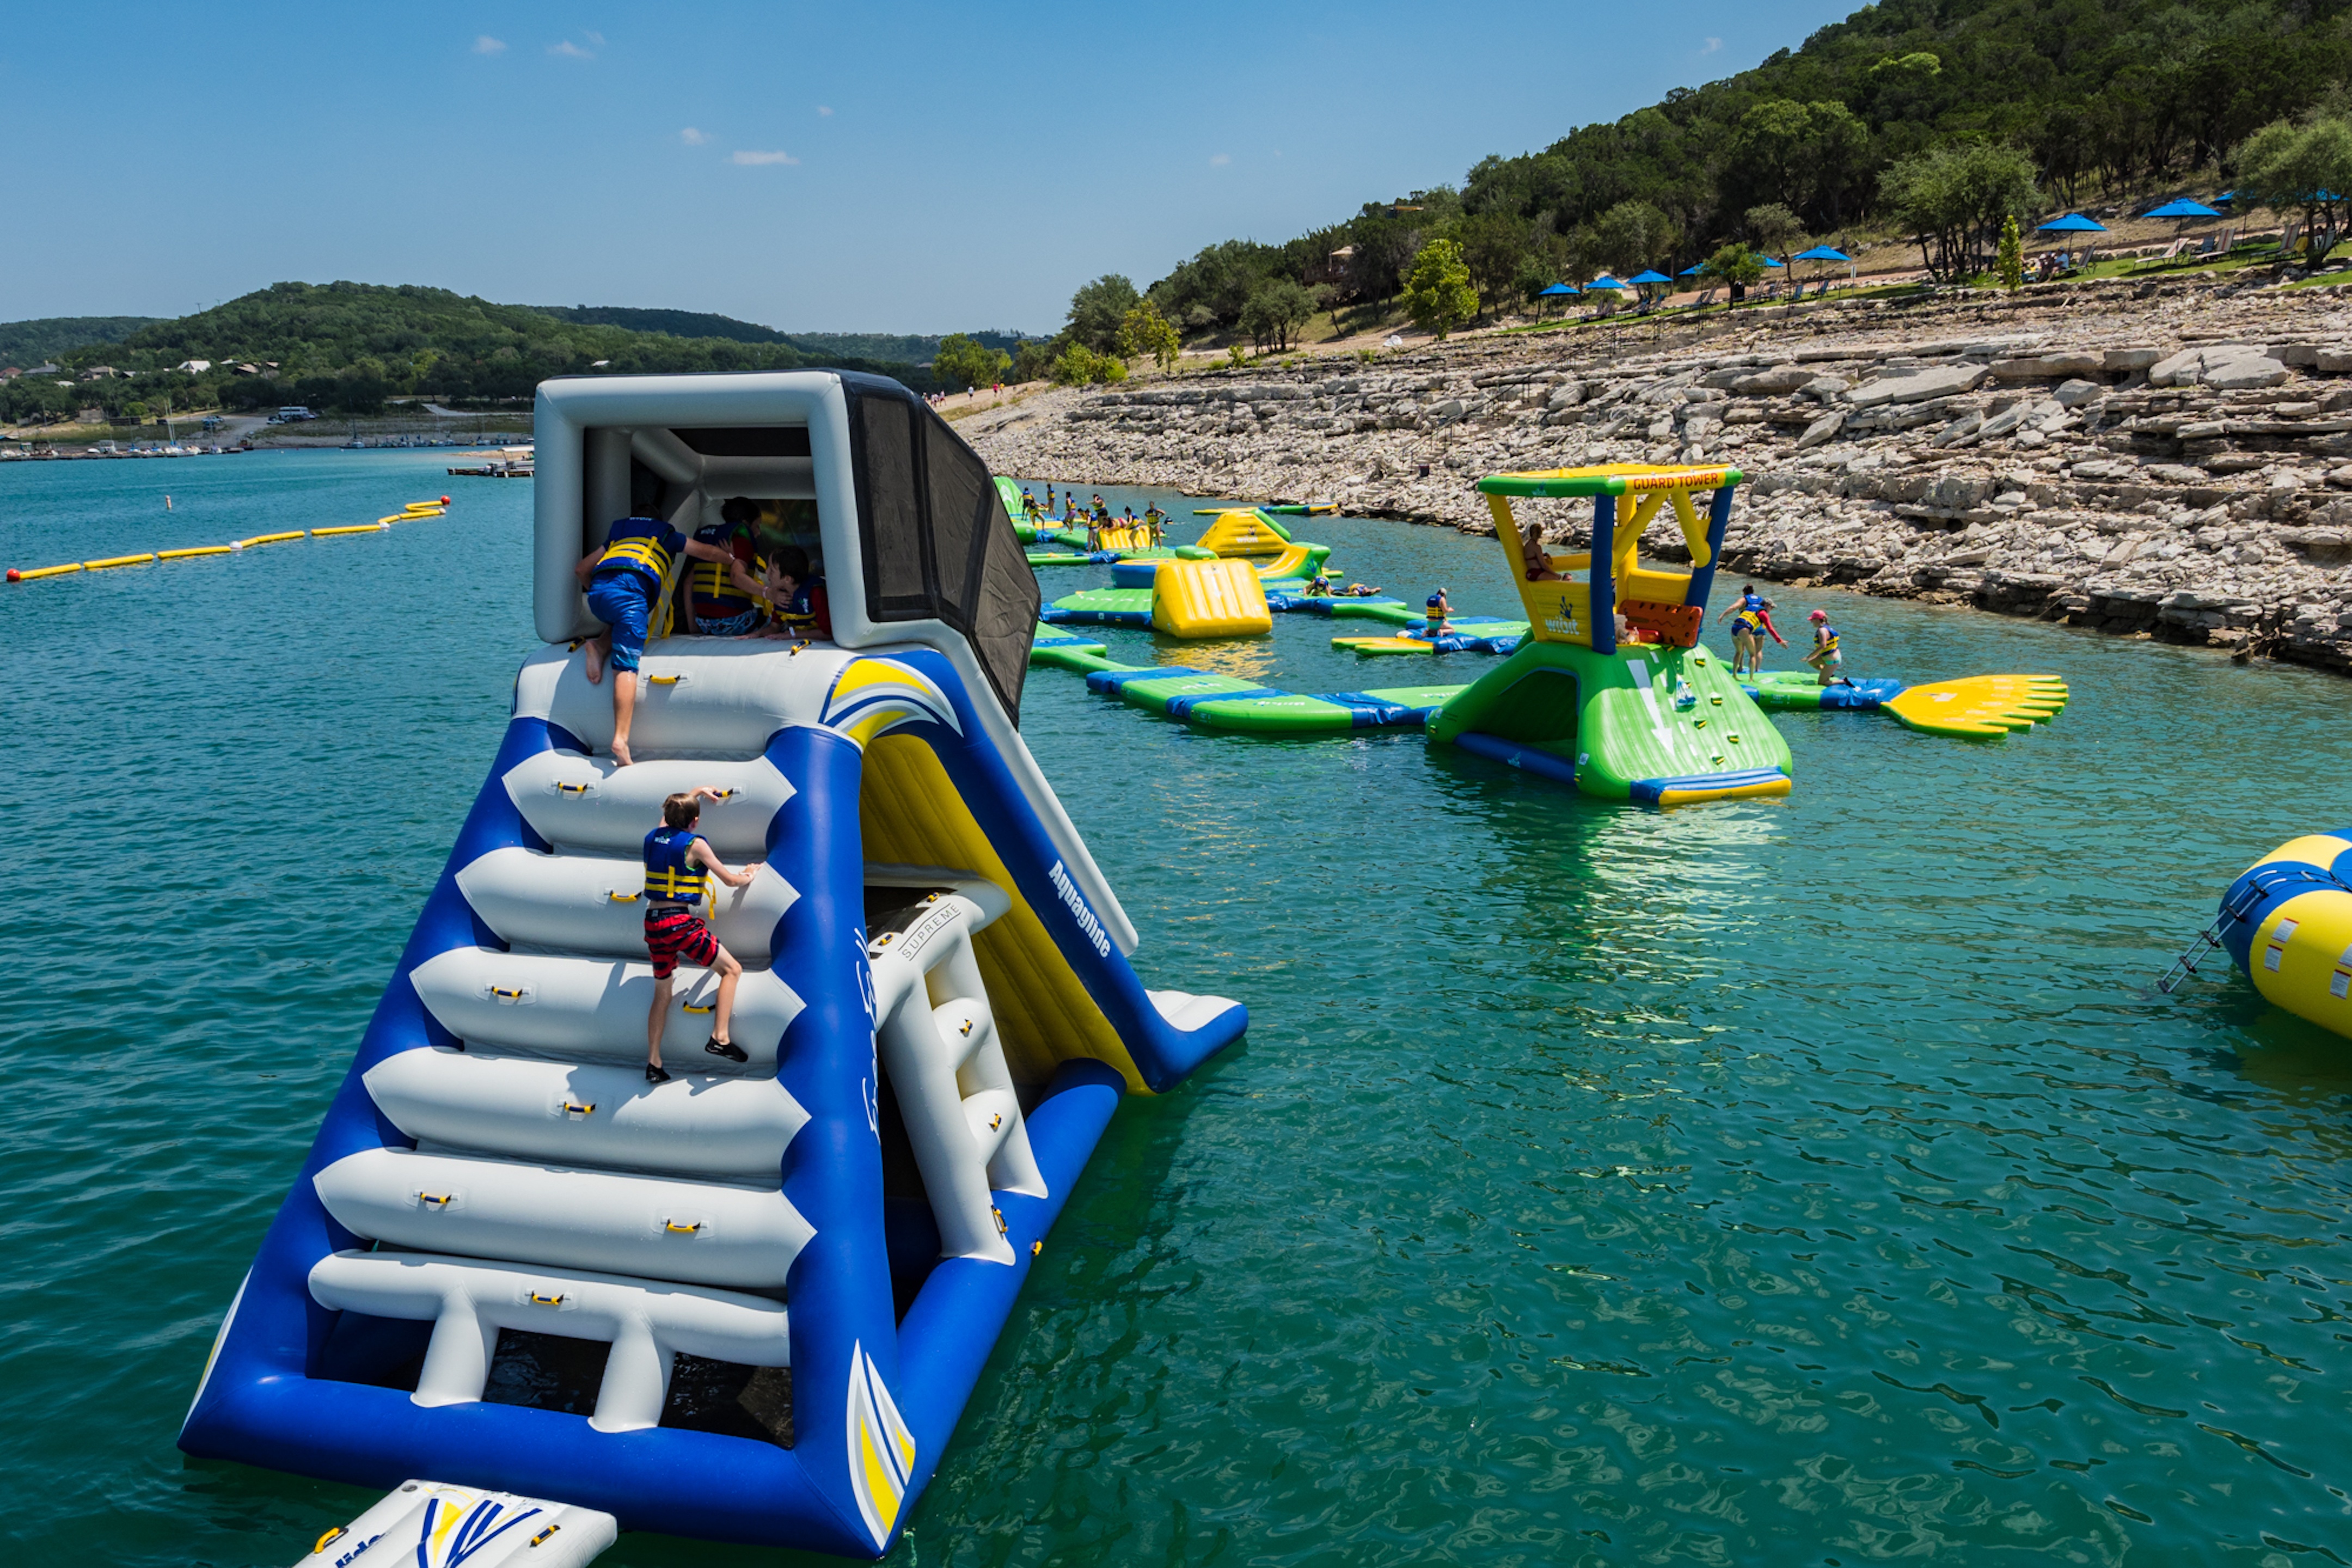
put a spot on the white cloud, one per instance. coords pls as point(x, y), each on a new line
point(824, 111)
point(1221, 160)
point(570, 51)
point(1712, 45)
point(486, 45)
point(744, 155)
point(692, 137)
point(595, 38)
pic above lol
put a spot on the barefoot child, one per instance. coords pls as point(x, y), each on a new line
point(675, 858)
point(623, 582)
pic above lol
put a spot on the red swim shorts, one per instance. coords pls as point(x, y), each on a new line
point(674, 934)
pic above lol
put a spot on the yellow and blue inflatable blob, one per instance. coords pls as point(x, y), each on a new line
point(2287, 922)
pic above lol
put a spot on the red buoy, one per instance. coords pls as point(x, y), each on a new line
point(444, 500)
point(15, 575)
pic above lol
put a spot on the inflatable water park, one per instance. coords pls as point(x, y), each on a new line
point(745, 1294)
point(1605, 683)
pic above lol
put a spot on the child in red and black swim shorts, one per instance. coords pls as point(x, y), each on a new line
point(676, 857)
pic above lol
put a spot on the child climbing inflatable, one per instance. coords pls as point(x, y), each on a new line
point(794, 1246)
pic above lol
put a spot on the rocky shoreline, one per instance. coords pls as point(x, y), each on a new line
point(2170, 460)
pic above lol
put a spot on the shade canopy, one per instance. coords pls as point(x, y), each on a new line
point(1558, 288)
point(1653, 276)
point(2073, 223)
point(1824, 253)
point(1693, 270)
point(2184, 208)
point(1605, 282)
point(1770, 262)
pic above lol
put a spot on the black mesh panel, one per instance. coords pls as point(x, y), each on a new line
point(933, 534)
point(890, 508)
point(958, 483)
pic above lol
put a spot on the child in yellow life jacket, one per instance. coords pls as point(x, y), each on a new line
point(623, 581)
point(677, 859)
point(724, 596)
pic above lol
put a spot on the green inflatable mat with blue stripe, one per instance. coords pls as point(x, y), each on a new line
point(1209, 700)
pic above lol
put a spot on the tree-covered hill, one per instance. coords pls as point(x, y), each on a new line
point(2097, 94)
point(28, 343)
point(831, 348)
point(350, 347)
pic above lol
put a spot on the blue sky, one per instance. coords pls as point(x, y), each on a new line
point(890, 168)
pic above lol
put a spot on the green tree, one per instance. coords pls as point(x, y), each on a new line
point(1736, 265)
point(1774, 230)
point(1035, 361)
point(1076, 366)
point(965, 361)
point(1953, 199)
point(1628, 237)
point(1275, 311)
point(2011, 265)
point(1438, 294)
point(1097, 308)
point(1496, 247)
point(2288, 166)
point(1145, 332)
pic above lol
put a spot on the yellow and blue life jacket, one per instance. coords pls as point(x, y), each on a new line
point(643, 545)
point(670, 879)
point(1751, 615)
point(712, 582)
point(1825, 640)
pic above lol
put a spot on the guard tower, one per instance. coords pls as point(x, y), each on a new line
point(1611, 690)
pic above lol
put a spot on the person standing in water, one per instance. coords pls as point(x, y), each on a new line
point(1746, 613)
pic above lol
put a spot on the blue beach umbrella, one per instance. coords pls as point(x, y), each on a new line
point(1558, 288)
point(1603, 281)
point(1654, 275)
point(2073, 223)
point(1693, 270)
point(1822, 252)
point(2184, 208)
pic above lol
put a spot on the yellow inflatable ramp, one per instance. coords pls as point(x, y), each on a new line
point(1981, 705)
point(1209, 599)
point(1246, 533)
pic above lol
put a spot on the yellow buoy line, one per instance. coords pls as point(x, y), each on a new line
point(415, 511)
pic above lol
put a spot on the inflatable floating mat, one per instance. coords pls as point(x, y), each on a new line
point(1470, 634)
point(1214, 701)
point(747, 1304)
point(1986, 707)
point(1801, 688)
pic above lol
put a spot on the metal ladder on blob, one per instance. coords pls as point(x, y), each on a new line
point(553, 1191)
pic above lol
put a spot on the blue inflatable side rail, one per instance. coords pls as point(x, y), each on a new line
point(368, 1330)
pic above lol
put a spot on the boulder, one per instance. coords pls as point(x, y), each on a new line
point(2165, 371)
point(1778, 379)
point(1823, 429)
point(2074, 393)
point(2244, 374)
point(2332, 361)
point(1918, 385)
point(2038, 367)
point(2119, 361)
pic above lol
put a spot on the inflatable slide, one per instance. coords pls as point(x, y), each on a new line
point(577, 1300)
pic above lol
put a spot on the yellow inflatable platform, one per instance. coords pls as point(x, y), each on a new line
point(1195, 599)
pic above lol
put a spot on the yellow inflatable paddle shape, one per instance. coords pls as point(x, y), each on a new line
point(1981, 705)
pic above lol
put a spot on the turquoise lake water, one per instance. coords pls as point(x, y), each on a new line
point(1814, 1181)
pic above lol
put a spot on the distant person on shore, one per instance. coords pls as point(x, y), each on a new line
point(677, 858)
point(1746, 613)
point(624, 581)
point(1827, 660)
point(725, 596)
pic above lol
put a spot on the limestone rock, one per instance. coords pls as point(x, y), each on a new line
point(1918, 385)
